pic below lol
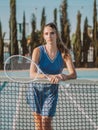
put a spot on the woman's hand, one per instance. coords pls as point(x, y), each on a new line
point(62, 77)
point(56, 78)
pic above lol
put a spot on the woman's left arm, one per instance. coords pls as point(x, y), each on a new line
point(71, 69)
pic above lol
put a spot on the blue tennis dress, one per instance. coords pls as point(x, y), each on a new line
point(42, 98)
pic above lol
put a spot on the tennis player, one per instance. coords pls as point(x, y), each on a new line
point(51, 59)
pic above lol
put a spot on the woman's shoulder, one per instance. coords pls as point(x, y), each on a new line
point(38, 50)
point(41, 47)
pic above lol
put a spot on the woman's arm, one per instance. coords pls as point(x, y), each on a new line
point(71, 69)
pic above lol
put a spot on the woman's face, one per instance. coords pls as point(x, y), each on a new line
point(50, 35)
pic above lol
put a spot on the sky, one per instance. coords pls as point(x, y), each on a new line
point(36, 6)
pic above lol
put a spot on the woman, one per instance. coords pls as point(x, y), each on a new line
point(51, 58)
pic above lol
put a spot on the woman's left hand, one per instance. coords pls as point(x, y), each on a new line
point(62, 76)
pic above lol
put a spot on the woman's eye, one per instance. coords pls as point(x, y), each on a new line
point(46, 33)
point(51, 33)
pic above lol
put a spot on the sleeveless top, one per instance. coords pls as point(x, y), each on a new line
point(49, 66)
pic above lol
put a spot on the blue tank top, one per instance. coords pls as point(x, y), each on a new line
point(49, 66)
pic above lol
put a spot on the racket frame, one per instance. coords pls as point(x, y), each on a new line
point(29, 79)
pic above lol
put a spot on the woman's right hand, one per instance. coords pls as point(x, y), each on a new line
point(55, 78)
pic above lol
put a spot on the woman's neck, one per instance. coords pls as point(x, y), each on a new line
point(51, 51)
point(51, 48)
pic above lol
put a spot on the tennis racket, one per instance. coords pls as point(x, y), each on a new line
point(17, 67)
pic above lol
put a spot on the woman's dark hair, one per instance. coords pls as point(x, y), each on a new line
point(61, 46)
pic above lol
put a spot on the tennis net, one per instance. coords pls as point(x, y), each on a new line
point(77, 106)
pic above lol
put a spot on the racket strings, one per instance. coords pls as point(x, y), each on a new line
point(17, 67)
